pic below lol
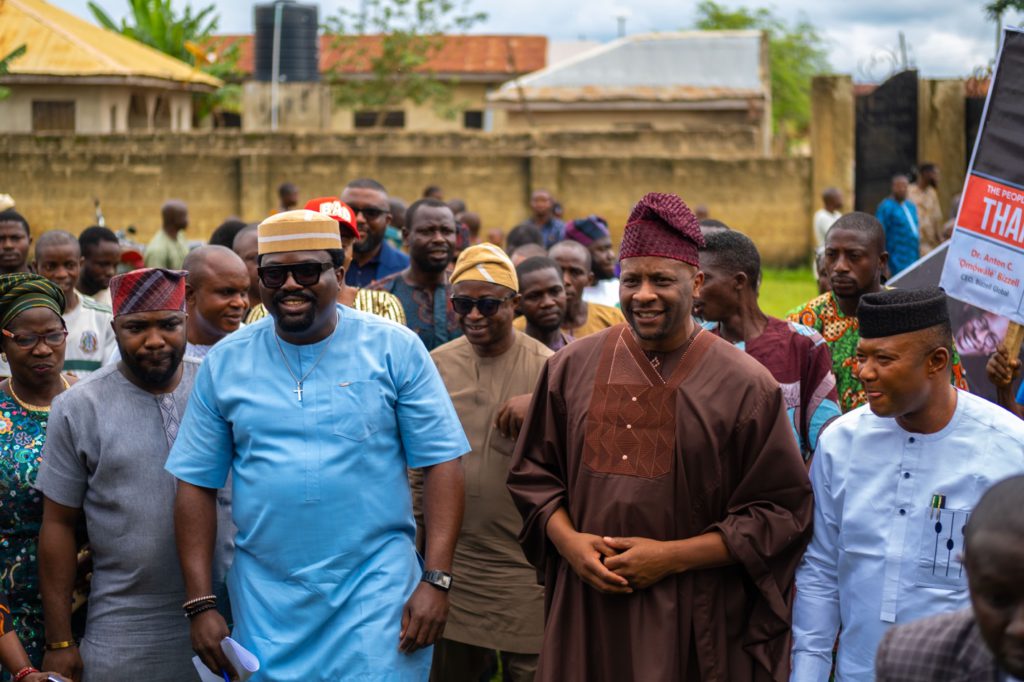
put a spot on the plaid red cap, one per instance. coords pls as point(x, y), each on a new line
point(662, 225)
point(339, 210)
point(148, 290)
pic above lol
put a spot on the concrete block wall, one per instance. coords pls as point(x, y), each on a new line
point(55, 178)
point(942, 134)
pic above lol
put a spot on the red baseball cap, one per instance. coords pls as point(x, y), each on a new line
point(339, 210)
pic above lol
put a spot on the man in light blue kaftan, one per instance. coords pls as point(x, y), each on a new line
point(318, 437)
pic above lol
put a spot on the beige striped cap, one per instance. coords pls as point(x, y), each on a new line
point(299, 230)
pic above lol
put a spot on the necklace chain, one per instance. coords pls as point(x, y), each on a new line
point(29, 406)
point(298, 381)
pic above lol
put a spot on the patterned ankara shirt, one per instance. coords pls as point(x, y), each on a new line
point(842, 334)
point(22, 434)
point(429, 313)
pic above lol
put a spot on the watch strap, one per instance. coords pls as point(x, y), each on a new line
point(439, 579)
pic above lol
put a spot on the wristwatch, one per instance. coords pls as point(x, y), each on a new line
point(439, 579)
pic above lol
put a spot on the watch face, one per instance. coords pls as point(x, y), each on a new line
point(438, 579)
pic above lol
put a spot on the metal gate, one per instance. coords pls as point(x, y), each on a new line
point(886, 138)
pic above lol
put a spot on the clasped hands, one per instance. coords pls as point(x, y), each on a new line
point(618, 565)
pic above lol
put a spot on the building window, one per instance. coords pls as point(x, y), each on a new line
point(473, 120)
point(53, 116)
point(368, 119)
point(113, 119)
point(138, 118)
point(227, 119)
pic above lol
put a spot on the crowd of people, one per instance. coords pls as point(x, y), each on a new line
point(911, 215)
point(368, 441)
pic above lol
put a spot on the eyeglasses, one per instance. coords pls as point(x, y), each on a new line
point(29, 341)
point(487, 306)
point(304, 274)
point(369, 212)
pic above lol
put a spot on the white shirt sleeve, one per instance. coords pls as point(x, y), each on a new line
point(113, 355)
point(816, 608)
point(822, 221)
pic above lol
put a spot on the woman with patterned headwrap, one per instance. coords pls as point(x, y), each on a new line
point(32, 338)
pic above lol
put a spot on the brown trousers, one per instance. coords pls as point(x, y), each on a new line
point(458, 662)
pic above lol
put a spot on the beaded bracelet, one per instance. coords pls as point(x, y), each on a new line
point(198, 600)
point(193, 606)
point(201, 609)
point(23, 673)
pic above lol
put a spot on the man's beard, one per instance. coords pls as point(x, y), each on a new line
point(154, 376)
point(293, 325)
point(424, 263)
point(367, 245)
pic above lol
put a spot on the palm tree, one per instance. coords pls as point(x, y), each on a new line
point(995, 10)
point(155, 23)
point(5, 63)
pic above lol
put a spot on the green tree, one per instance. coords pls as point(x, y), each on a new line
point(997, 8)
point(393, 68)
point(5, 64)
point(796, 54)
point(182, 36)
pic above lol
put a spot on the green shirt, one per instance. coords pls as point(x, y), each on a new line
point(164, 252)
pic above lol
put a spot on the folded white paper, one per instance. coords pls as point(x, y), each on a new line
point(244, 661)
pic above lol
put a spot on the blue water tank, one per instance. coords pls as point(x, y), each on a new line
point(300, 45)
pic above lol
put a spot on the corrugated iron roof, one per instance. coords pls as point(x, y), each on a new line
point(507, 55)
point(684, 66)
point(60, 44)
point(600, 93)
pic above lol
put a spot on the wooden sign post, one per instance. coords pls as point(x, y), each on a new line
point(1013, 339)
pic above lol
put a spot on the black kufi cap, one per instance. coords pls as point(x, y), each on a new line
point(901, 311)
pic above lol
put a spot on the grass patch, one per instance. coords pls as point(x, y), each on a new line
point(783, 290)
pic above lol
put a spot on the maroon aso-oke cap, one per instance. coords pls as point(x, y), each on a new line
point(148, 290)
point(662, 225)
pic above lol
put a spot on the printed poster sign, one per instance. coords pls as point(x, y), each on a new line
point(985, 263)
point(977, 332)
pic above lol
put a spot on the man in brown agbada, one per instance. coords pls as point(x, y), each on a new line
point(664, 498)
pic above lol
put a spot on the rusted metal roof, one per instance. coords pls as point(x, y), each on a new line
point(505, 56)
point(60, 45)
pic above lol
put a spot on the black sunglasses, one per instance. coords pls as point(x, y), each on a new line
point(304, 274)
point(487, 306)
point(369, 212)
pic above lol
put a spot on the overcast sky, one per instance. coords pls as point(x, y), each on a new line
point(946, 38)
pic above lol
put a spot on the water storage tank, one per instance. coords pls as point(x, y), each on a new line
point(299, 59)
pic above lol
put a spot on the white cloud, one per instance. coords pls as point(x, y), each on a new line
point(948, 38)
